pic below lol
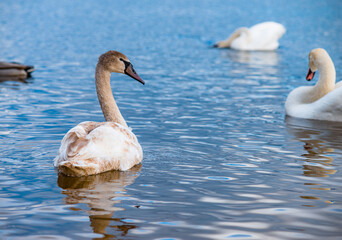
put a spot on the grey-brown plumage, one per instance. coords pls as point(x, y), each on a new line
point(95, 147)
point(14, 71)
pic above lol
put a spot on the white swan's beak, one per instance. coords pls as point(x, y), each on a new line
point(132, 73)
point(310, 75)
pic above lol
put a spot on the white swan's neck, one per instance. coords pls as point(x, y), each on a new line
point(237, 33)
point(326, 81)
point(109, 107)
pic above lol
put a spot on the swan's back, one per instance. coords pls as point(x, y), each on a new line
point(328, 107)
point(338, 84)
point(273, 28)
point(265, 35)
point(91, 148)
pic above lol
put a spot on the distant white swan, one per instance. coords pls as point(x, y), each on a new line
point(322, 101)
point(260, 37)
point(95, 147)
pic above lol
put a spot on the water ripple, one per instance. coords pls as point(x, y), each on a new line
point(219, 160)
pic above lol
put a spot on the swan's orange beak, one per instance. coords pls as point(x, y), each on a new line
point(132, 73)
point(310, 75)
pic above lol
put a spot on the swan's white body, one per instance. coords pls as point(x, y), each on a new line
point(327, 108)
point(260, 37)
point(92, 147)
point(322, 101)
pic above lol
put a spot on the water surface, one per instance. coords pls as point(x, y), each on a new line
point(220, 159)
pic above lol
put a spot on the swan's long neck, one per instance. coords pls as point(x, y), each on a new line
point(326, 81)
point(237, 33)
point(109, 107)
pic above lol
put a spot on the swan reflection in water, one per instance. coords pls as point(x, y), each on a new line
point(260, 64)
point(99, 193)
point(270, 58)
point(320, 140)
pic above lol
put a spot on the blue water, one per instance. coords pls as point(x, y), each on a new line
point(220, 159)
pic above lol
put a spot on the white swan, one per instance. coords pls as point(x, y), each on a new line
point(260, 37)
point(95, 147)
point(322, 101)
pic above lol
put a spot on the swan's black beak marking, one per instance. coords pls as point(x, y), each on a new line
point(129, 70)
point(310, 75)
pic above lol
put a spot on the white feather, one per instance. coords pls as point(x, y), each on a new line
point(108, 144)
point(260, 37)
point(328, 108)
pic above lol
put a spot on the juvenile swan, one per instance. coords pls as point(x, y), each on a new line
point(322, 101)
point(260, 37)
point(95, 147)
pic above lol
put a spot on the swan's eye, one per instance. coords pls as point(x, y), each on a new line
point(126, 63)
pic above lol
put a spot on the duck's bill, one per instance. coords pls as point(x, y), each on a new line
point(132, 73)
point(310, 75)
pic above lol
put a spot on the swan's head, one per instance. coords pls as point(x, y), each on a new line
point(114, 61)
point(316, 56)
